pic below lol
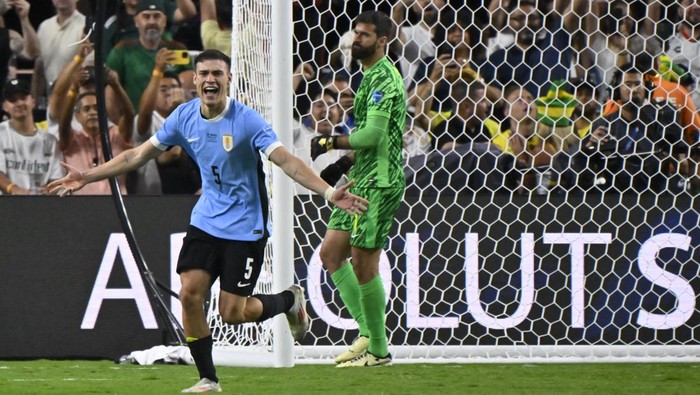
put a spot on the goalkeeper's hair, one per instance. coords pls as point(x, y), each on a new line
point(383, 25)
point(213, 54)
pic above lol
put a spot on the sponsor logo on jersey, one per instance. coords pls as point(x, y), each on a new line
point(377, 96)
point(227, 141)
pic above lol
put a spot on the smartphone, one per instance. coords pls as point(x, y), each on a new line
point(182, 56)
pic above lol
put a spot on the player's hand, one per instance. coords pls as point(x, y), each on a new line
point(321, 145)
point(345, 200)
point(73, 181)
point(335, 171)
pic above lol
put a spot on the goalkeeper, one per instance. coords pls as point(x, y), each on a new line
point(377, 141)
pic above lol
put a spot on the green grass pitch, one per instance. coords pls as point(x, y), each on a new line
point(105, 377)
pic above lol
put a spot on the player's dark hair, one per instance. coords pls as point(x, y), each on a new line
point(213, 54)
point(383, 25)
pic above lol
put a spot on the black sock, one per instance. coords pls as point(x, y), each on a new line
point(201, 352)
point(275, 304)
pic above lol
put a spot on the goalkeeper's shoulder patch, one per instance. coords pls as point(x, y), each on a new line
point(377, 96)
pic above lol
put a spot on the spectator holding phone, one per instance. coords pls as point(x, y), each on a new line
point(134, 60)
point(162, 95)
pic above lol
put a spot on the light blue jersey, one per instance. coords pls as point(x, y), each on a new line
point(227, 148)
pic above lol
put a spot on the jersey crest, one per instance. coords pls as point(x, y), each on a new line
point(227, 141)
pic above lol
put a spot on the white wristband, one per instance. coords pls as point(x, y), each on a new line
point(328, 195)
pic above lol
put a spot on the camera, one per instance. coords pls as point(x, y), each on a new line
point(92, 77)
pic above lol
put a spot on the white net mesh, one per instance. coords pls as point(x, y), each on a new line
point(550, 210)
point(252, 85)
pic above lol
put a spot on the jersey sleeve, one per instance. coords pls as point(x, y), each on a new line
point(169, 134)
point(263, 137)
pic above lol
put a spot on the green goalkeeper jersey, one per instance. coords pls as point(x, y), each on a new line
point(381, 93)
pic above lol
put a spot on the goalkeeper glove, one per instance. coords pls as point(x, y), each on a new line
point(321, 145)
point(335, 171)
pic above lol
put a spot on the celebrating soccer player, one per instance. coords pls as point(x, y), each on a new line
point(229, 225)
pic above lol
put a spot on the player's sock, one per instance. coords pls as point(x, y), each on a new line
point(201, 353)
point(346, 282)
point(274, 304)
point(374, 309)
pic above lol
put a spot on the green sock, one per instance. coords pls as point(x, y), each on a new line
point(374, 309)
point(349, 289)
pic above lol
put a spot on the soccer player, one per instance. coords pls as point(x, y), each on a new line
point(229, 224)
point(380, 114)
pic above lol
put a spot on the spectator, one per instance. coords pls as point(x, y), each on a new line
point(160, 98)
point(531, 154)
point(29, 157)
point(613, 38)
point(134, 60)
point(471, 122)
point(324, 116)
point(27, 46)
point(81, 68)
point(587, 107)
point(121, 26)
point(216, 25)
point(663, 92)
point(684, 46)
point(431, 96)
point(82, 149)
point(55, 36)
point(554, 117)
point(415, 42)
point(634, 142)
point(537, 56)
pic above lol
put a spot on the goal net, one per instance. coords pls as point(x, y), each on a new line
point(550, 213)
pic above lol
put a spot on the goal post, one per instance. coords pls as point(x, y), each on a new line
point(260, 65)
point(488, 260)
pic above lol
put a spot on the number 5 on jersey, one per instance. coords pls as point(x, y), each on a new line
point(217, 176)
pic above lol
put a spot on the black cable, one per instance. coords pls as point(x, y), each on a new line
point(168, 320)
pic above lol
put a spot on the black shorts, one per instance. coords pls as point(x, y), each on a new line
point(238, 263)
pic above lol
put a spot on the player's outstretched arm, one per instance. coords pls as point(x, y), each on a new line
point(304, 175)
point(125, 162)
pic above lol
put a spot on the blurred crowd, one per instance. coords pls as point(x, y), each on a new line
point(534, 96)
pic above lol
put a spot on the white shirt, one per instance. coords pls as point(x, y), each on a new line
point(30, 162)
point(54, 41)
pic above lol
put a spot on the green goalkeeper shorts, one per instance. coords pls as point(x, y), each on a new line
point(371, 229)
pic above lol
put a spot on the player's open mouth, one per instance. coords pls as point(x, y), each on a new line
point(210, 90)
